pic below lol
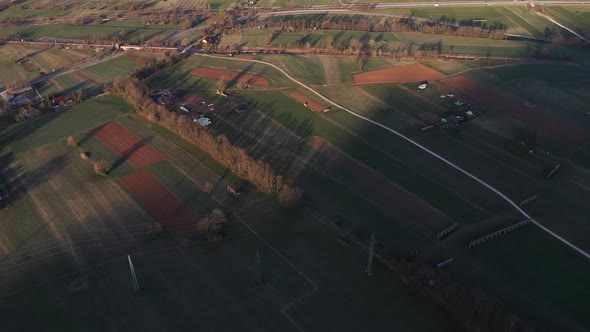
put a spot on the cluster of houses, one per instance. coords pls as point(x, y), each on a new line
point(458, 111)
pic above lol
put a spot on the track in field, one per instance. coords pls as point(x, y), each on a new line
point(230, 76)
point(159, 201)
point(128, 146)
point(404, 74)
point(498, 101)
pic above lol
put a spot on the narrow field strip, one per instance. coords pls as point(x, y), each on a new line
point(126, 145)
point(158, 201)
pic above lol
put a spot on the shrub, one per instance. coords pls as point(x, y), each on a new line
point(102, 167)
point(72, 142)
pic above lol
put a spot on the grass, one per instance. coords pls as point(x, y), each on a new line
point(343, 131)
point(176, 148)
point(200, 202)
point(45, 59)
point(545, 87)
point(573, 17)
point(130, 31)
point(546, 279)
point(61, 124)
point(180, 75)
point(582, 159)
point(105, 225)
point(114, 68)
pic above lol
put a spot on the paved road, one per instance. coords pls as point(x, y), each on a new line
point(425, 149)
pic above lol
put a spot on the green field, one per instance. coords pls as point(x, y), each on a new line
point(47, 129)
point(130, 31)
point(61, 198)
point(411, 41)
point(45, 59)
point(576, 18)
point(489, 155)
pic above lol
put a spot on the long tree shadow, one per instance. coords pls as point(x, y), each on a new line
point(241, 74)
point(20, 131)
point(127, 154)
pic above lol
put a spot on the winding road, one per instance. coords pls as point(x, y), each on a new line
point(425, 149)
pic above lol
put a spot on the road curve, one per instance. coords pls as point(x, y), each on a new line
point(425, 149)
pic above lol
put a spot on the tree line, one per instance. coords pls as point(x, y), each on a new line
point(218, 147)
point(371, 24)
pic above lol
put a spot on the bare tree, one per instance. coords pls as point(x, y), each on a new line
point(208, 187)
point(72, 141)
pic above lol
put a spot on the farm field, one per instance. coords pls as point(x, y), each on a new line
point(91, 79)
point(89, 224)
point(181, 75)
point(130, 31)
point(472, 145)
point(41, 59)
point(573, 17)
point(517, 19)
point(397, 41)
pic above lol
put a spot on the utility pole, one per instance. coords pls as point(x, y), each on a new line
point(259, 263)
point(369, 268)
point(133, 276)
point(72, 250)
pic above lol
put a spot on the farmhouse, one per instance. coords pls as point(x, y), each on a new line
point(203, 121)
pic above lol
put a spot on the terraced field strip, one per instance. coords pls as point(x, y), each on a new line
point(405, 74)
point(230, 76)
point(314, 106)
point(378, 189)
point(498, 101)
point(160, 202)
point(128, 146)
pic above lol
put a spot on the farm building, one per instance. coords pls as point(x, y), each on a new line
point(203, 121)
point(20, 91)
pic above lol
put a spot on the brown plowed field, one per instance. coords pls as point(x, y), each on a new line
point(498, 101)
point(160, 202)
point(316, 107)
point(230, 76)
point(410, 73)
point(376, 188)
point(128, 146)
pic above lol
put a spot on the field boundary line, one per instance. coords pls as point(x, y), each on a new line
point(425, 149)
point(297, 300)
point(308, 279)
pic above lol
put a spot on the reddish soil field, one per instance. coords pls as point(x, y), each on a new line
point(29, 66)
point(410, 73)
point(160, 202)
point(316, 107)
point(498, 101)
point(126, 145)
point(230, 76)
point(377, 188)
